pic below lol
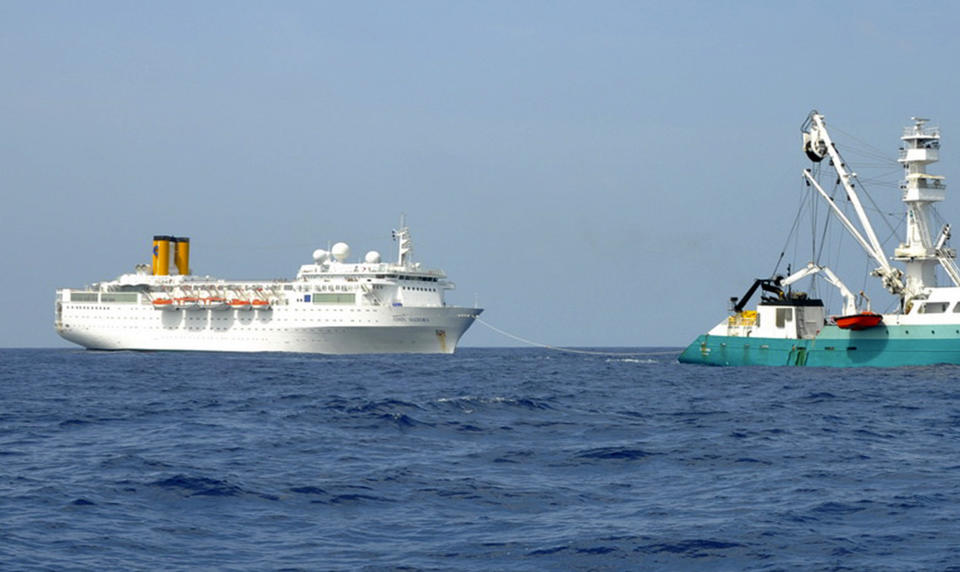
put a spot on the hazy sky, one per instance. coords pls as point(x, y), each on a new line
point(593, 173)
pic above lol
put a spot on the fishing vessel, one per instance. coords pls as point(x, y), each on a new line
point(333, 306)
point(789, 327)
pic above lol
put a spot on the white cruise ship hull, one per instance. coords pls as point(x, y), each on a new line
point(282, 329)
point(333, 306)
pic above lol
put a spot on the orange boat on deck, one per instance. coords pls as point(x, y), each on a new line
point(215, 303)
point(239, 304)
point(187, 302)
point(860, 321)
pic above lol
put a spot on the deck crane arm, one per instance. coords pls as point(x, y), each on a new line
point(947, 257)
point(818, 145)
point(849, 300)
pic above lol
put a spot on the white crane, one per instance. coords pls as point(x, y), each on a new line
point(849, 300)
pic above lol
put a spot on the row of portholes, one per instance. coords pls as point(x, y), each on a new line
point(907, 332)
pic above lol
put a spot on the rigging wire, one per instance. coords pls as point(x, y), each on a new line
point(869, 150)
point(571, 350)
point(876, 208)
point(826, 227)
point(790, 235)
point(892, 166)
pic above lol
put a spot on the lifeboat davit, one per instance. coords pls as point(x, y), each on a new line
point(860, 321)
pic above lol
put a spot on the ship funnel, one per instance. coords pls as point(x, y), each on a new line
point(182, 255)
point(161, 255)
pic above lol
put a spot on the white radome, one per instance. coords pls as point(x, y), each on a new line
point(372, 257)
point(340, 251)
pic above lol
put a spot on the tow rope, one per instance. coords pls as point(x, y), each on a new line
point(570, 350)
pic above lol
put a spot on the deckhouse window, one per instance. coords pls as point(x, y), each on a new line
point(784, 315)
point(933, 308)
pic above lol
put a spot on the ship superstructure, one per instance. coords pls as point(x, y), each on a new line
point(334, 305)
point(790, 328)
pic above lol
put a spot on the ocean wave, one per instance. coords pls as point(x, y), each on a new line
point(198, 486)
point(614, 453)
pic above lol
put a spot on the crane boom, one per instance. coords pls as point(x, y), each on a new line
point(849, 300)
point(817, 144)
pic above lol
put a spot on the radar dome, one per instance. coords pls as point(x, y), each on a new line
point(320, 255)
point(372, 257)
point(340, 251)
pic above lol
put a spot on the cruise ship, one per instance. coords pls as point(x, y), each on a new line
point(791, 327)
point(333, 306)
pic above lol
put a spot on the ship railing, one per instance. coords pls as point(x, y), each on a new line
point(932, 153)
point(922, 131)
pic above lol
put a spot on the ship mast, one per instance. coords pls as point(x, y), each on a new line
point(920, 252)
point(404, 242)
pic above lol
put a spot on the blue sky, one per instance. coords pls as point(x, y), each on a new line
point(594, 174)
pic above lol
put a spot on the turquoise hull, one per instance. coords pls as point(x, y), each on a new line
point(882, 346)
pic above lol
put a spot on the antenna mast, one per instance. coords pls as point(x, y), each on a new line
point(919, 253)
point(404, 242)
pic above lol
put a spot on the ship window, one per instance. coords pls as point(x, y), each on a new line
point(933, 308)
point(334, 298)
point(83, 296)
point(957, 307)
point(127, 297)
point(784, 315)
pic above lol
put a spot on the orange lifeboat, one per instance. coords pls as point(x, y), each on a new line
point(163, 303)
point(860, 321)
point(215, 303)
point(261, 304)
point(187, 302)
point(239, 304)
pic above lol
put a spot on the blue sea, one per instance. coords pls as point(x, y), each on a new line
point(490, 459)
